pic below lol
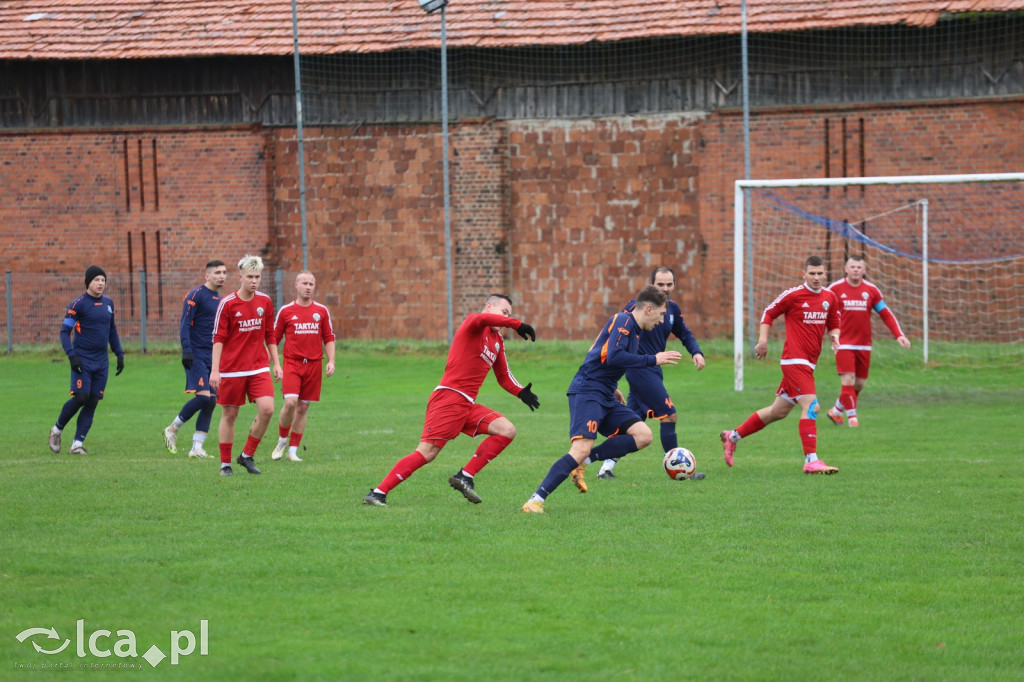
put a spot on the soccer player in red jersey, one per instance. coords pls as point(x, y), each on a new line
point(810, 310)
point(305, 326)
point(243, 338)
point(452, 409)
point(857, 298)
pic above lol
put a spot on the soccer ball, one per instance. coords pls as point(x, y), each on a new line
point(680, 463)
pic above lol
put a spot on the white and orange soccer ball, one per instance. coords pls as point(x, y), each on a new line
point(680, 463)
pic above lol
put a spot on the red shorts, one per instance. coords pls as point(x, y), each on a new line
point(856, 362)
point(302, 379)
point(235, 390)
point(797, 380)
point(449, 414)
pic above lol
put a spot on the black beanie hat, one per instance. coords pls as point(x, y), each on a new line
point(92, 272)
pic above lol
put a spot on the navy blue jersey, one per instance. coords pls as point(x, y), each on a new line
point(92, 320)
point(197, 315)
point(614, 351)
point(656, 340)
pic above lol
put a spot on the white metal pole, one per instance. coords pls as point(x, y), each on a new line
point(737, 287)
point(924, 275)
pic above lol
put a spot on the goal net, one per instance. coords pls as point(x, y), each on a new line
point(947, 252)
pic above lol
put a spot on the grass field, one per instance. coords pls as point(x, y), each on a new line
point(907, 565)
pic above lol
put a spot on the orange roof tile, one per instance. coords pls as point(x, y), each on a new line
point(132, 29)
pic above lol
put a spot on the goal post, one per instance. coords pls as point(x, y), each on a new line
point(947, 251)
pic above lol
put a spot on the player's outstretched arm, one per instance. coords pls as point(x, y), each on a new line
point(526, 331)
point(528, 397)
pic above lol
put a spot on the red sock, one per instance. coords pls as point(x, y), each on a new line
point(809, 435)
point(752, 425)
point(402, 470)
point(295, 439)
point(250, 445)
point(848, 398)
point(225, 453)
point(488, 450)
point(282, 431)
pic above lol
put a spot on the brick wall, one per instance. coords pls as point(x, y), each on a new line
point(569, 217)
point(179, 198)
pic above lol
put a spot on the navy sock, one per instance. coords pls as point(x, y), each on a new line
point(191, 407)
point(614, 447)
point(84, 422)
point(559, 471)
point(67, 412)
point(668, 436)
point(206, 414)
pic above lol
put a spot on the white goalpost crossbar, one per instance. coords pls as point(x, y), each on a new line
point(740, 235)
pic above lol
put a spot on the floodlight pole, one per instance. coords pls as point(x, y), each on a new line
point(298, 125)
point(431, 6)
point(447, 181)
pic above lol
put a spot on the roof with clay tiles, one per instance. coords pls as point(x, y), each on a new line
point(137, 29)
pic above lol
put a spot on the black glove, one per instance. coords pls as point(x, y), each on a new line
point(76, 364)
point(120, 365)
point(526, 331)
point(527, 396)
point(186, 360)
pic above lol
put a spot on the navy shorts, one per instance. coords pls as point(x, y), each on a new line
point(593, 413)
point(91, 380)
point(197, 378)
point(647, 394)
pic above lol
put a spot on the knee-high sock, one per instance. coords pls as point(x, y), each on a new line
point(206, 414)
point(809, 436)
point(402, 470)
point(67, 412)
point(84, 422)
point(251, 444)
point(848, 398)
point(751, 426)
point(197, 403)
point(668, 435)
point(613, 448)
point(294, 439)
point(225, 453)
point(490, 448)
point(558, 472)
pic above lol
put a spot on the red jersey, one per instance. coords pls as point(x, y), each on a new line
point(244, 327)
point(305, 330)
point(809, 315)
point(475, 350)
point(856, 304)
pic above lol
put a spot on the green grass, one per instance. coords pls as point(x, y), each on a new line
point(905, 566)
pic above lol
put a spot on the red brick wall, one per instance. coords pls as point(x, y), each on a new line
point(70, 199)
point(569, 217)
point(375, 223)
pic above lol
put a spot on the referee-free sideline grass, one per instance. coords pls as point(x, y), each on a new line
point(907, 565)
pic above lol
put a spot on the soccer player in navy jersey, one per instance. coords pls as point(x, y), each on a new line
point(87, 330)
point(452, 408)
point(196, 332)
point(811, 311)
point(593, 408)
point(648, 396)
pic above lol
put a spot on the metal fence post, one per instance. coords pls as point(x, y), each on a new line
point(143, 309)
point(10, 313)
point(279, 288)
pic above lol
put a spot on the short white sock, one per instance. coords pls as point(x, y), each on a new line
point(535, 498)
point(587, 461)
point(198, 438)
point(77, 444)
point(293, 451)
point(608, 465)
point(55, 430)
point(810, 457)
point(176, 424)
point(283, 441)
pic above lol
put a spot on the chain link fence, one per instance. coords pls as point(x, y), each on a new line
point(147, 306)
